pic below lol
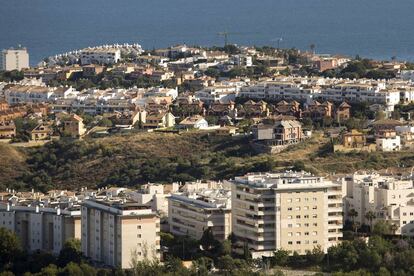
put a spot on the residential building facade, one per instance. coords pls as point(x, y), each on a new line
point(14, 59)
point(292, 211)
point(192, 213)
point(117, 233)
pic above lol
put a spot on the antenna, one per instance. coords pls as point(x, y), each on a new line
point(225, 34)
point(278, 40)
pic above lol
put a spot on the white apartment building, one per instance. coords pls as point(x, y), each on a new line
point(116, 232)
point(335, 90)
point(16, 94)
point(14, 59)
point(162, 92)
point(223, 93)
point(154, 196)
point(294, 211)
point(190, 214)
point(275, 90)
point(100, 56)
point(40, 228)
point(362, 92)
point(389, 197)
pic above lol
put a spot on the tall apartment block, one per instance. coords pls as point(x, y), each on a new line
point(191, 213)
point(116, 232)
point(40, 228)
point(294, 211)
point(14, 59)
point(388, 197)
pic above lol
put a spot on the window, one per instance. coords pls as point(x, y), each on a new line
point(297, 208)
point(306, 224)
point(290, 242)
point(289, 217)
point(315, 224)
point(289, 209)
point(289, 200)
point(315, 199)
point(315, 207)
point(306, 216)
point(297, 224)
point(297, 242)
point(290, 234)
point(315, 242)
point(306, 208)
point(314, 233)
point(298, 234)
point(314, 216)
point(290, 225)
point(306, 233)
point(298, 216)
point(297, 199)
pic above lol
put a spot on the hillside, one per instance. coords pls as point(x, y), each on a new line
point(134, 159)
point(12, 165)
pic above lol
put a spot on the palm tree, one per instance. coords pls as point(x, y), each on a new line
point(356, 225)
point(312, 47)
point(370, 216)
point(394, 227)
point(352, 214)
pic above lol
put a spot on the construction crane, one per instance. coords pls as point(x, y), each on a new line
point(226, 34)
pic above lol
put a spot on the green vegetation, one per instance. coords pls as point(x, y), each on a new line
point(10, 76)
point(359, 69)
point(133, 159)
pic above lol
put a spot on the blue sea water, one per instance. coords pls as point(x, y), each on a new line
point(370, 28)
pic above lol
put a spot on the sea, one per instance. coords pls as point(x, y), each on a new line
point(370, 28)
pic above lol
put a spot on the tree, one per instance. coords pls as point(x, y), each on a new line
point(71, 269)
point(280, 257)
point(312, 48)
point(226, 263)
point(50, 270)
point(316, 256)
point(71, 252)
point(207, 241)
point(10, 248)
point(380, 115)
point(352, 214)
point(381, 228)
point(105, 122)
point(394, 227)
point(370, 216)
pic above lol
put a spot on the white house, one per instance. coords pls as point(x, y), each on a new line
point(100, 56)
point(196, 121)
point(389, 144)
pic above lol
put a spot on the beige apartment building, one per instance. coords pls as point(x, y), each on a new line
point(388, 197)
point(14, 59)
point(39, 228)
point(117, 232)
point(291, 211)
point(191, 213)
